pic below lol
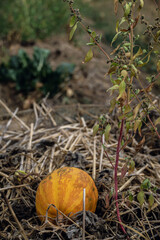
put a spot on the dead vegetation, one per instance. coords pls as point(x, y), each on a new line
point(34, 147)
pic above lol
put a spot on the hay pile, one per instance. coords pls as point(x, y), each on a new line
point(33, 145)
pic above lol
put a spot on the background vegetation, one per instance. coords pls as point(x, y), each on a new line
point(28, 20)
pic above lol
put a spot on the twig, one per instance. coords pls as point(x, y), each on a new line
point(15, 218)
point(13, 115)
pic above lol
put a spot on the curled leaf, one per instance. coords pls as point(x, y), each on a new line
point(115, 38)
point(72, 31)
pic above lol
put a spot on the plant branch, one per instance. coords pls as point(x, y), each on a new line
point(84, 27)
point(115, 176)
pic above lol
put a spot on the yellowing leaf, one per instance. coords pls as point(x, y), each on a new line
point(115, 38)
point(115, 87)
point(158, 66)
point(136, 124)
point(131, 166)
point(112, 105)
point(95, 129)
point(151, 200)
point(107, 131)
point(127, 109)
point(89, 55)
point(124, 73)
point(117, 25)
point(140, 198)
point(122, 88)
point(139, 52)
point(141, 4)
point(135, 111)
point(157, 121)
point(72, 31)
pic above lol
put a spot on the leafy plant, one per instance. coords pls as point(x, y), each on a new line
point(29, 73)
point(133, 104)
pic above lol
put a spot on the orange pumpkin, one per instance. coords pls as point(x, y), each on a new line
point(64, 188)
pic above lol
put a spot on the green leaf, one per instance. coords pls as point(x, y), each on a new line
point(93, 34)
point(127, 10)
point(115, 38)
point(146, 184)
point(130, 197)
point(151, 200)
point(72, 31)
point(95, 129)
point(72, 21)
point(89, 55)
point(107, 132)
point(133, 69)
point(123, 19)
point(140, 198)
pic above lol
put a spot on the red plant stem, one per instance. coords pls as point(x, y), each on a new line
point(115, 176)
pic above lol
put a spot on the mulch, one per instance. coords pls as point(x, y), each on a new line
point(37, 141)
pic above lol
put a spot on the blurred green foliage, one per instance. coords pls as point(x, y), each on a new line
point(28, 73)
point(32, 19)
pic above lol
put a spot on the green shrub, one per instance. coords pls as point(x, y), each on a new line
point(26, 72)
point(32, 19)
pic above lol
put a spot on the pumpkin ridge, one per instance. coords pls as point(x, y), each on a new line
point(64, 189)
